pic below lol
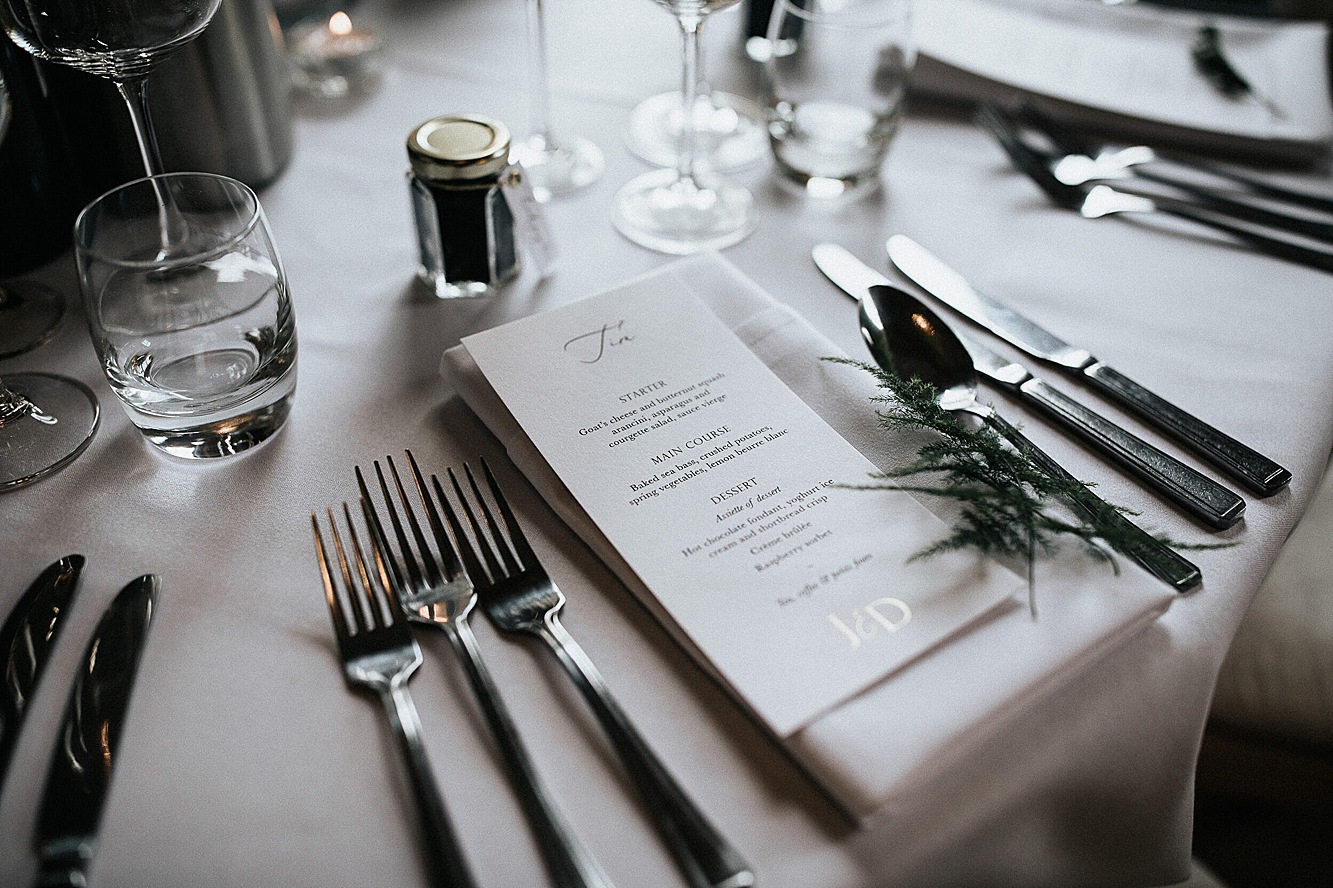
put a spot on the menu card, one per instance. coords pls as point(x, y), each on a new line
point(722, 490)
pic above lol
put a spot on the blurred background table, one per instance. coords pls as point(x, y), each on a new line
point(246, 762)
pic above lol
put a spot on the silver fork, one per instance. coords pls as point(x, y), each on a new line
point(1102, 200)
point(434, 591)
point(379, 654)
point(522, 598)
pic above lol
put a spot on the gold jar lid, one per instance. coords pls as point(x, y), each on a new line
point(458, 146)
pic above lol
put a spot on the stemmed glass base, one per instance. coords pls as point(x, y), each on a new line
point(728, 130)
point(665, 212)
point(45, 422)
point(557, 168)
point(29, 314)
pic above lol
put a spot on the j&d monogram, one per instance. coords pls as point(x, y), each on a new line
point(888, 614)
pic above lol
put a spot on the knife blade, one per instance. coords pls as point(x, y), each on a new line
point(26, 640)
point(1199, 495)
point(88, 746)
point(1249, 467)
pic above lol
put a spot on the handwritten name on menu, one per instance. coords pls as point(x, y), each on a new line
point(720, 488)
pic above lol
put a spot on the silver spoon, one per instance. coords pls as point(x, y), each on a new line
point(909, 340)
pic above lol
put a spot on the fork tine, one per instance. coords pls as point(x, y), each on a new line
point(387, 586)
point(442, 539)
point(326, 569)
point(427, 561)
point(383, 553)
point(466, 550)
point(358, 580)
point(520, 541)
point(492, 544)
point(404, 547)
point(348, 590)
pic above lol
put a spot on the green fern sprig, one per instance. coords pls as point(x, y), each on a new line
point(1004, 497)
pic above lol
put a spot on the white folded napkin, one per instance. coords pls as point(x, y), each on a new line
point(895, 736)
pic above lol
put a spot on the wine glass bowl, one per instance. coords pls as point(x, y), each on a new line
point(120, 40)
point(115, 39)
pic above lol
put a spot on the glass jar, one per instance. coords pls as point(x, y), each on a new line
point(465, 225)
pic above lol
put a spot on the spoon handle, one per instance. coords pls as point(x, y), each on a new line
point(1156, 557)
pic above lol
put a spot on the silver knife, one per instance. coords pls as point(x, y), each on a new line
point(1251, 468)
point(1199, 495)
point(89, 743)
point(26, 640)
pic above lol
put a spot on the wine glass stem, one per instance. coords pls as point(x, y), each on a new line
point(12, 406)
point(136, 100)
point(689, 91)
point(539, 85)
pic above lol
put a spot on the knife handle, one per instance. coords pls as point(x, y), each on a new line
point(1152, 554)
point(1199, 495)
point(1257, 472)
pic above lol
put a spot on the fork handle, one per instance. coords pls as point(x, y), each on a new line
point(1242, 210)
point(568, 862)
point(1258, 186)
point(706, 859)
point(1283, 249)
point(445, 865)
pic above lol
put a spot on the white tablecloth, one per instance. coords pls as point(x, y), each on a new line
point(247, 763)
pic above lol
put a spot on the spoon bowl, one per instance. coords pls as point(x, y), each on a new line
point(908, 339)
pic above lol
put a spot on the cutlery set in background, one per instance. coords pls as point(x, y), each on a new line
point(1189, 490)
point(1074, 173)
point(86, 748)
point(468, 552)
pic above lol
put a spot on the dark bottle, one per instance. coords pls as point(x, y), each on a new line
point(42, 184)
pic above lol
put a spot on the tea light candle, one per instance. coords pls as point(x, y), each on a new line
point(335, 58)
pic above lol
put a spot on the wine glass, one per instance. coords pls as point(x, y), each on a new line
point(729, 131)
point(29, 311)
point(554, 166)
point(45, 420)
point(121, 40)
point(685, 209)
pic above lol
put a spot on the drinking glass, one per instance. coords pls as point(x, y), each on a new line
point(45, 420)
point(554, 166)
point(121, 40)
point(193, 324)
point(688, 208)
point(837, 92)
